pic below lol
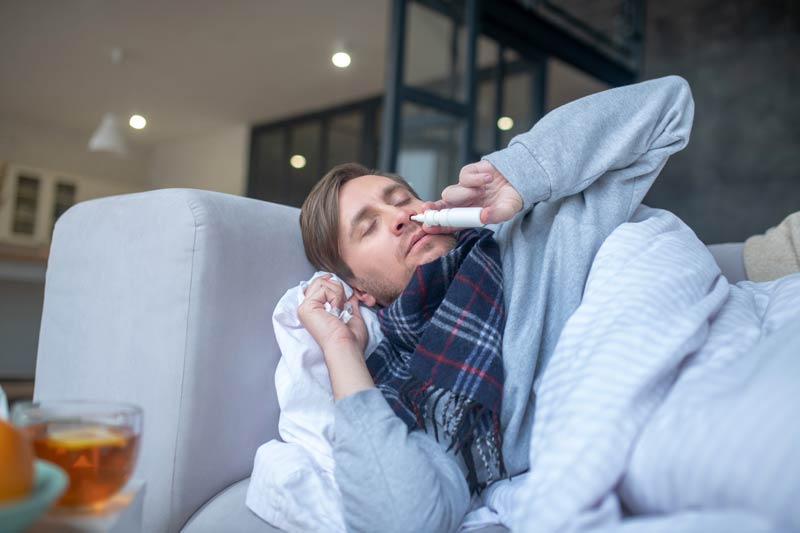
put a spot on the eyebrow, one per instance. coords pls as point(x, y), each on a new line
point(367, 210)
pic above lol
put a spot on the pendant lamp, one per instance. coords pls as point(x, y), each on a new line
point(108, 137)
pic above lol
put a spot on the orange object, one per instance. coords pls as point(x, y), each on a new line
point(16, 463)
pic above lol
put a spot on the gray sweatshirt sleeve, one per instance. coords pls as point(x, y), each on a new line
point(392, 479)
point(609, 146)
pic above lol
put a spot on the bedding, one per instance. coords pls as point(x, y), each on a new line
point(292, 484)
point(671, 395)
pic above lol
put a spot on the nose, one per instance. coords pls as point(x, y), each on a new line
point(400, 220)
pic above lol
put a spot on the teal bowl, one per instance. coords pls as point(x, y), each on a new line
point(49, 483)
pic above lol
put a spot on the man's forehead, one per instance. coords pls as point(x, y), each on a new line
point(362, 191)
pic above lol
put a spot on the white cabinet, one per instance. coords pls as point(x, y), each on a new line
point(31, 200)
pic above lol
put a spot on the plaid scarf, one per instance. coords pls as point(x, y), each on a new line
point(444, 343)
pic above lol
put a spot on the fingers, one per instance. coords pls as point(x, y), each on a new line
point(498, 214)
point(435, 230)
point(470, 178)
point(354, 303)
point(478, 167)
point(324, 289)
point(456, 195)
point(426, 206)
point(488, 216)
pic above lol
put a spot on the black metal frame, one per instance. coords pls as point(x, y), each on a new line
point(369, 109)
point(533, 35)
point(511, 25)
point(397, 92)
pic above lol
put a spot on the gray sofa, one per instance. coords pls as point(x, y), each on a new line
point(164, 299)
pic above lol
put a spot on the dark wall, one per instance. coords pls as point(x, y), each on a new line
point(20, 314)
point(740, 173)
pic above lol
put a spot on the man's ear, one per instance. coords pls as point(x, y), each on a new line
point(365, 297)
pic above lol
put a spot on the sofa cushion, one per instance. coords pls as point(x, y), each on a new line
point(730, 258)
point(227, 512)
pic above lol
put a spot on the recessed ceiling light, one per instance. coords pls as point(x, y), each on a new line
point(505, 123)
point(297, 161)
point(137, 122)
point(341, 59)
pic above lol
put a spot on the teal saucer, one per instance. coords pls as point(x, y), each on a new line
point(49, 484)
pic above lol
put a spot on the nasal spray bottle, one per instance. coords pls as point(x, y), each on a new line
point(456, 217)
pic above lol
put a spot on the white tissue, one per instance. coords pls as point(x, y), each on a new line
point(343, 315)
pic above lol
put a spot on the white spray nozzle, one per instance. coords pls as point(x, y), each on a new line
point(456, 217)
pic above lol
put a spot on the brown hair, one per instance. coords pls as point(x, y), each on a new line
point(319, 217)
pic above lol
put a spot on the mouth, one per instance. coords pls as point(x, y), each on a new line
point(415, 238)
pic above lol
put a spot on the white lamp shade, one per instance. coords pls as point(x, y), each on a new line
point(108, 137)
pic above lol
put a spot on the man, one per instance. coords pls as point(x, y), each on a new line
point(552, 197)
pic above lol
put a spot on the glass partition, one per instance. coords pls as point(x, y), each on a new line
point(429, 149)
point(435, 47)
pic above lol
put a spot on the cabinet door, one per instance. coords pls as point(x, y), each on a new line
point(28, 206)
point(20, 211)
point(65, 193)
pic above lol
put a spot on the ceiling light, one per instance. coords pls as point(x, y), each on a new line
point(137, 122)
point(108, 137)
point(341, 59)
point(297, 161)
point(505, 123)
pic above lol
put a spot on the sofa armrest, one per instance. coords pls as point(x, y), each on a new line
point(165, 299)
point(730, 258)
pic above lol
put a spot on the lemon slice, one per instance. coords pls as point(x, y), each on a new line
point(85, 437)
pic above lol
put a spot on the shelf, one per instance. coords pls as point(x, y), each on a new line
point(26, 254)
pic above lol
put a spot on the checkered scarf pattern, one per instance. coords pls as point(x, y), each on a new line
point(440, 364)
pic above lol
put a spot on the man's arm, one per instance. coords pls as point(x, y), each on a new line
point(615, 141)
point(392, 479)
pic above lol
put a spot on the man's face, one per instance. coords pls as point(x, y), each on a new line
point(379, 241)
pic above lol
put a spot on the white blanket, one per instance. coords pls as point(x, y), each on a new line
point(292, 484)
point(670, 392)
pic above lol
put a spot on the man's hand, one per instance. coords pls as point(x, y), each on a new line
point(342, 344)
point(479, 185)
point(328, 330)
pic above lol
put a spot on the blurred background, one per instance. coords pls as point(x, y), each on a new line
point(261, 97)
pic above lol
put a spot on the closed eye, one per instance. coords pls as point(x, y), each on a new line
point(369, 228)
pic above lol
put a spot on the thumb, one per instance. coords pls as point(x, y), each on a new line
point(493, 215)
point(355, 304)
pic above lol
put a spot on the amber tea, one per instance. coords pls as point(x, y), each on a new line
point(98, 458)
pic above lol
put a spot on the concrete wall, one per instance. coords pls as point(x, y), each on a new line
point(740, 173)
point(20, 315)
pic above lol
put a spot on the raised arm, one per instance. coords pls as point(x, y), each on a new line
point(621, 137)
point(610, 146)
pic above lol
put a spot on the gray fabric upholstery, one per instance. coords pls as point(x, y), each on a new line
point(227, 512)
point(164, 299)
point(730, 258)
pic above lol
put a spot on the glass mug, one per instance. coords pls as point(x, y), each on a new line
point(96, 443)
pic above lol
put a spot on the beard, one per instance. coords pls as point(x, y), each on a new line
point(385, 291)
